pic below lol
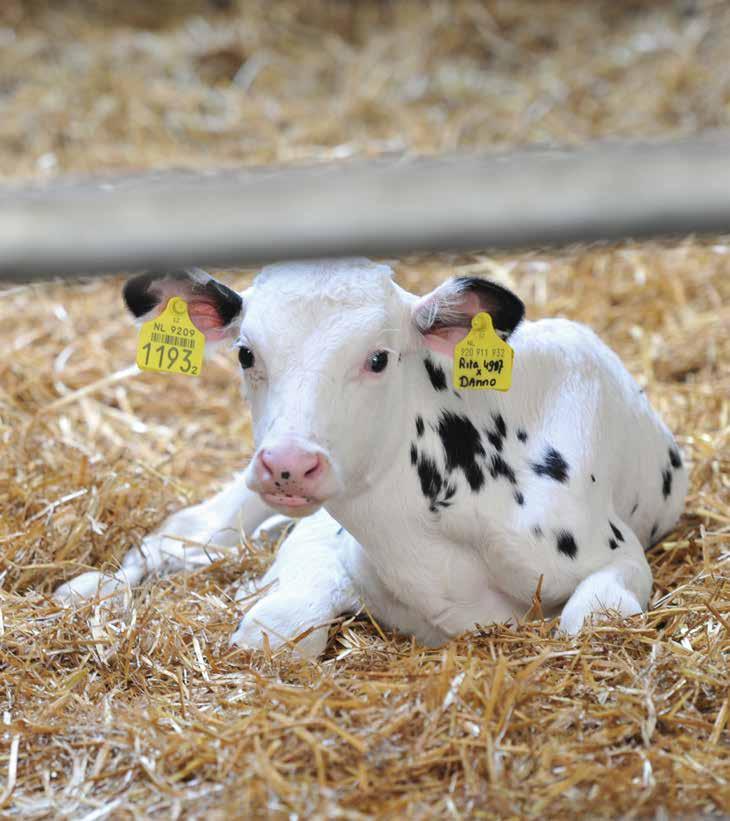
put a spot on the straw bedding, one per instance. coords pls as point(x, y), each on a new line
point(145, 710)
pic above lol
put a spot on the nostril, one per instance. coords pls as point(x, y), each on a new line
point(264, 458)
point(285, 474)
point(315, 467)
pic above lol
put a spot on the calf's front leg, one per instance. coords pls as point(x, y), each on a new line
point(189, 538)
point(303, 591)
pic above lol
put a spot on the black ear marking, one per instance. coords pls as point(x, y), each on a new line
point(141, 297)
point(228, 302)
point(137, 296)
point(506, 309)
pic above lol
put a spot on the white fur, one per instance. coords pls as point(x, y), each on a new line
point(477, 561)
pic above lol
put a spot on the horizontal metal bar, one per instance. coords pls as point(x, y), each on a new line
point(380, 207)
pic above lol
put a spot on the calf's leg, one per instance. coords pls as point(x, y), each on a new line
point(302, 592)
point(189, 538)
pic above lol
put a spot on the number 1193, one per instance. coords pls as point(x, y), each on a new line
point(165, 356)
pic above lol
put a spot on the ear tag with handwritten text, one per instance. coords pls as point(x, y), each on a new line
point(483, 361)
point(170, 343)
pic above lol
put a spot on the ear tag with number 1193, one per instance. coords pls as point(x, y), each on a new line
point(482, 361)
point(170, 343)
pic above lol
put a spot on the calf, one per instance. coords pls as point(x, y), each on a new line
point(438, 509)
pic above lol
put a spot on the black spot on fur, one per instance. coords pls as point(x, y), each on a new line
point(430, 478)
point(616, 532)
point(435, 374)
point(537, 530)
point(522, 435)
point(613, 544)
point(500, 468)
point(449, 492)
point(634, 508)
point(654, 530)
point(457, 394)
point(462, 444)
point(414, 454)
point(495, 439)
point(519, 498)
point(593, 478)
point(666, 482)
point(552, 465)
point(674, 458)
point(434, 487)
point(566, 544)
point(419, 426)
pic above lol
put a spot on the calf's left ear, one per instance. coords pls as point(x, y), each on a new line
point(212, 306)
point(444, 316)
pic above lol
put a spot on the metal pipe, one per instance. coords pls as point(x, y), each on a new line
point(380, 207)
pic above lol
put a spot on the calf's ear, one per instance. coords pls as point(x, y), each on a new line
point(444, 316)
point(212, 306)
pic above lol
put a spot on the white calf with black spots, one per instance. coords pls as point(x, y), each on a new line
point(436, 509)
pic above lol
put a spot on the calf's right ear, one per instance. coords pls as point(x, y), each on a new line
point(212, 306)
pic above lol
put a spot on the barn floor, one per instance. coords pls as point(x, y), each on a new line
point(146, 711)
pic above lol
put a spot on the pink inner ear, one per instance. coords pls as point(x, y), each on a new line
point(470, 304)
point(444, 339)
point(206, 318)
point(202, 312)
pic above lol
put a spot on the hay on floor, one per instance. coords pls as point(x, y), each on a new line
point(149, 711)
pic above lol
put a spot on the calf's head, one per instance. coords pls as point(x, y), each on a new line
point(332, 354)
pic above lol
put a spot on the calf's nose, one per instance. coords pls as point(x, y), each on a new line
point(289, 463)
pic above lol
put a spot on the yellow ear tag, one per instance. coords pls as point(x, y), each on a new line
point(170, 343)
point(482, 361)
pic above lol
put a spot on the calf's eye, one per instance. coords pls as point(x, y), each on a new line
point(377, 361)
point(246, 357)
